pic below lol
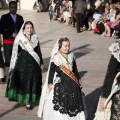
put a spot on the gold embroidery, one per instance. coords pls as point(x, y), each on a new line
point(68, 64)
point(31, 42)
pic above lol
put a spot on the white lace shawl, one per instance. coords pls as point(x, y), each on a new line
point(24, 43)
point(115, 50)
point(59, 60)
point(45, 86)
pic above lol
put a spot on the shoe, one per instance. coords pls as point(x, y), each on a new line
point(107, 35)
point(4, 79)
point(29, 107)
point(116, 37)
point(78, 31)
point(103, 34)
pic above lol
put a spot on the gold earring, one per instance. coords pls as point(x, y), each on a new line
point(23, 32)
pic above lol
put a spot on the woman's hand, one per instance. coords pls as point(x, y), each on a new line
point(102, 102)
point(80, 82)
point(14, 35)
point(50, 86)
point(41, 68)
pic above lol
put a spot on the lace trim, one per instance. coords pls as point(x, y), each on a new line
point(115, 108)
point(67, 99)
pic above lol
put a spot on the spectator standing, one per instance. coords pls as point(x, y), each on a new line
point(10, 25)
point(79, 8)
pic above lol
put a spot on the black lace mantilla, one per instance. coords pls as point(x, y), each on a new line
point(67, 98)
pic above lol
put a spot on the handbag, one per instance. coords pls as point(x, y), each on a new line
point(96, 30)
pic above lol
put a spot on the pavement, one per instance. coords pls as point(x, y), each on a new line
point(92, 56)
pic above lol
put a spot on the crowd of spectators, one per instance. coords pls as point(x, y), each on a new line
point(101, 18)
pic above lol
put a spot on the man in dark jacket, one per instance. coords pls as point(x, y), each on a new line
point(10, 25)
point(79, 8)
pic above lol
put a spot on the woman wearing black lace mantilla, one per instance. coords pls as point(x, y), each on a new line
point(61, 97)
point(109, 102)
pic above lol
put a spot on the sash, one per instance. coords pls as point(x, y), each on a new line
point(6, 41)
point(45, 92)
point(30, 50)
point(69, 73)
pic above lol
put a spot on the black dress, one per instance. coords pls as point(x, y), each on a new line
point(24, 85)
point(67, 96)
point(113, 69)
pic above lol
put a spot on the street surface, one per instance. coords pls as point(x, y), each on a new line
point(92, 56)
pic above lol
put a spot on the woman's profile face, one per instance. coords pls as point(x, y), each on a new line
point(28, 29)
point(65, 47)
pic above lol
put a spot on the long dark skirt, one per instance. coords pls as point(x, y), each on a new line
point(24, 84)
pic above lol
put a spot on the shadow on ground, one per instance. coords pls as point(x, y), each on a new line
point(81, 51)
point(91, 102)
point(18, 105)
point(82, 73)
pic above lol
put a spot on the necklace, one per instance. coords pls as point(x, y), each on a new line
point(66, 58)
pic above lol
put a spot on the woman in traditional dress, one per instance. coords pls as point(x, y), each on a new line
point(25, 80)
point(61, 97)
point(109, 102)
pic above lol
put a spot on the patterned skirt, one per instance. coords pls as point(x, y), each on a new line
point(64, 101)
point(115, 108)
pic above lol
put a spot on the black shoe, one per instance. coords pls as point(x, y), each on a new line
point(29, 107)
point(38, 11)
point(4, 79)
point(78, 31)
